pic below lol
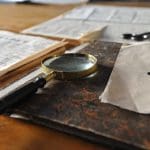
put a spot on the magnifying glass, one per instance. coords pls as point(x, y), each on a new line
point(64, 67)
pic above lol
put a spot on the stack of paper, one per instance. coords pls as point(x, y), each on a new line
point(74, 31)
point(119, 20)
point(22, 53)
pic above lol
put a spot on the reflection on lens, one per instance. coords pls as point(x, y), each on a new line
point(69, 63)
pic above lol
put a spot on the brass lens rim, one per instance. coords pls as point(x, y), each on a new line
point(71, 75)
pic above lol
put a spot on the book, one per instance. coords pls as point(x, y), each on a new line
point(22, 53)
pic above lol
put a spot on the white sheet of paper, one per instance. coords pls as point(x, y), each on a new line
point(143, 17)
point(17, 47)
point(65, 28)
point(114, 32)
point(129, 84)
point(79, 13)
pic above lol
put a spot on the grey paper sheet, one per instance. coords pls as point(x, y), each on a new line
point(129, 84)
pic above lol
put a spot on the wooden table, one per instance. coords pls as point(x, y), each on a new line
point(22, 135)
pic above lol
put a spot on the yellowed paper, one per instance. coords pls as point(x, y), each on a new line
point(66, 28)
point(17, 49)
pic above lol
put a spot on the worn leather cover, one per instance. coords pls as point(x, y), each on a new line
point(73, 107)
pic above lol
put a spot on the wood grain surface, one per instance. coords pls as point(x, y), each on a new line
point(20, 135)
point(16, 17)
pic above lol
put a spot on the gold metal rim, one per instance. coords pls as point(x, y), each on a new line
point(72, 75)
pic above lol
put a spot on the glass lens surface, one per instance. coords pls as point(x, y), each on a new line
point(69, 63)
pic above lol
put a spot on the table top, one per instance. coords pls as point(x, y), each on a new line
point(17, 134)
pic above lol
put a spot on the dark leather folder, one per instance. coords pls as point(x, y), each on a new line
point(74, 107)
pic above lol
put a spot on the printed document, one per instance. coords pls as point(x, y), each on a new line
point(65, 28)
point(17, 49)
point(119, 20)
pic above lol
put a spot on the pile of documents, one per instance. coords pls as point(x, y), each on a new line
point(91, 21)
point(74, 31)
point(22, 53)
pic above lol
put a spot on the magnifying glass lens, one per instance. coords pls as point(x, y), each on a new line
point(65, 63)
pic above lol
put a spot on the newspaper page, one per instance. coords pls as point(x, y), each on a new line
point(15, 48)
point(65, 28)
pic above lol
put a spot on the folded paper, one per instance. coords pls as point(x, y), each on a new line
point(129, 84)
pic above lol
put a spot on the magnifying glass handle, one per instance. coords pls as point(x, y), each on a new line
point(25, 90)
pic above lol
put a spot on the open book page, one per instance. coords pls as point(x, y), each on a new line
point(119, 20)
point(65, 28)
point(17, 50)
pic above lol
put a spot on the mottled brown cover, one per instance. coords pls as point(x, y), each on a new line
point(73, 107)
